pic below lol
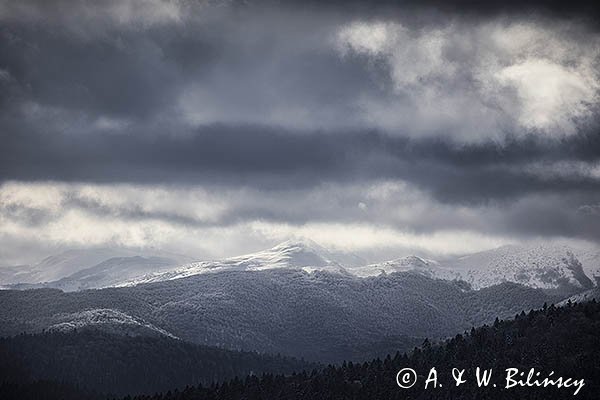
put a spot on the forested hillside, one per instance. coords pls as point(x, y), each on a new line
point(108, 363)
point(560, 339)
point(321, 316)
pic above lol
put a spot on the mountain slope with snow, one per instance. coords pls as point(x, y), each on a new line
point(558, 266)
point(290, 254)
point(108, 273)
point(410, 263)
point(542, 266)
point(60, 265)
point(81, 269)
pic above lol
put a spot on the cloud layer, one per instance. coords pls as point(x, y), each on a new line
point(222, 127)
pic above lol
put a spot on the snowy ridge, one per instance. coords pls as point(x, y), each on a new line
point(404, 264)
point(540, 266)
point(107, 319)
point(304, 254)
point(543, 266)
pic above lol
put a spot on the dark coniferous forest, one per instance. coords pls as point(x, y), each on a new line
point(560, 339)
point(109, 363)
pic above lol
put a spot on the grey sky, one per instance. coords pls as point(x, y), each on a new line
point(214, 128)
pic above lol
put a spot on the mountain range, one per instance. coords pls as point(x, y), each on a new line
point(80, 269)
point(319, 315)
point(560, 266)
point(298, 298)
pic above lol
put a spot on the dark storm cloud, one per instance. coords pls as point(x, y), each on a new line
point(130, 74)
point(257, 63)
point(268, 158)
point(265, 95)
point(584, 9)
point(244, 65)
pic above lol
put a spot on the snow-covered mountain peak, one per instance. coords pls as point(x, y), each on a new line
point(294, 253)
point(300, 244)
point(300, 253)
point(298, 248)
point(547, 266)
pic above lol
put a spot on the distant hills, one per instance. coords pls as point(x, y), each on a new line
point(318, 315)
point(558, 340)
point(298, 298)
point(87, 268)
point(554, 341)
point(113, 272)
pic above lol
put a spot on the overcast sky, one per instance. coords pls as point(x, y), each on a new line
point(214, 128)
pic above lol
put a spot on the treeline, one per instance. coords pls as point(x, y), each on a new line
point(565, 340)
point(115, 364)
